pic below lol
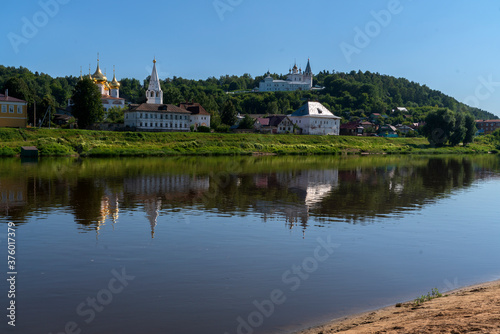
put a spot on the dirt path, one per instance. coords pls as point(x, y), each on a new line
point(469, 310)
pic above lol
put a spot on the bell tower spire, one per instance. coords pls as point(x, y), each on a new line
point(154, 94)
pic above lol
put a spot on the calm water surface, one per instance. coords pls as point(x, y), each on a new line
point(241, 245)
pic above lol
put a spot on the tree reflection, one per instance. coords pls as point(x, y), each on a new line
point(289, 189)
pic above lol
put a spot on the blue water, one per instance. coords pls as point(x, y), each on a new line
point(262, 263)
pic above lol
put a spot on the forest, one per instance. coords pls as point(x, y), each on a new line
point(351, 95)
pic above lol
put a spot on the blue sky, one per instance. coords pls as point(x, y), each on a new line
point(452, 46)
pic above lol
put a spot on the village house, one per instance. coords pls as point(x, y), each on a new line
point(351, 129)
point(13, 111)
point(487, 126)
point(313, 118)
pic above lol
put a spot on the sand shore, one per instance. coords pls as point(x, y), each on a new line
point(473, 309)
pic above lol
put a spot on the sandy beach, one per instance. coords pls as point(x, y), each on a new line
point(473, 309)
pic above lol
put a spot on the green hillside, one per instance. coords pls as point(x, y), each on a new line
point(350, 95)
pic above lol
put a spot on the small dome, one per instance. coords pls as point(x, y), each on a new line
point(114, 84)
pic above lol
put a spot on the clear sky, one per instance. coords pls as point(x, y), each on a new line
point(451, 46)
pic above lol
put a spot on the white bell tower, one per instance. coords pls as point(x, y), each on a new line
point(154, 94)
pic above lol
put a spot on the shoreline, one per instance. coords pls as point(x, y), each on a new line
point(87, 143)
point(473, 308)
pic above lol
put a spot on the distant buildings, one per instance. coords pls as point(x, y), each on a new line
point(155, 116)
point(487, 126)
point(296, 80)
point(13, 111)
point(312, 118)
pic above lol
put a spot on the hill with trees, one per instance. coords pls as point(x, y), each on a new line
point(351, 95)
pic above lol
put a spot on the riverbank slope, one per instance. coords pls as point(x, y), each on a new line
point(471, 309)
point(54, 142)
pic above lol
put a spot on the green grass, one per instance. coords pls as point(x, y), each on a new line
point(58, 142)
point(430, 295)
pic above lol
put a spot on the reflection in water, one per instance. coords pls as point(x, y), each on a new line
point(355, 189)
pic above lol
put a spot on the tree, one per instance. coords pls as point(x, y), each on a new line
point(247, 122)
point(87, 107)
point(459, 130)
point(439, 126)
point(115, 115)
point(18, 88)
point(470, 125)
point(228, 113)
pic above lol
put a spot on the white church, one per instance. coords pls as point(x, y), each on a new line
point(296, 80)
point(154, 116)
point(110, 91)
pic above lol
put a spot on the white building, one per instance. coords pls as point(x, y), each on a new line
point(315, 119)
point(199, 116)
point(296, 80)
point(158, 117)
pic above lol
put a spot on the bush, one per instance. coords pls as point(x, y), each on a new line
point(223, 128)
point(202, 128)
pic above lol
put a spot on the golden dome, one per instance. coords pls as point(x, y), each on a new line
point(98, 76)
point(114, 84)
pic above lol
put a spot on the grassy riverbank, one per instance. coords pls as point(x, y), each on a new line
point(57, 142)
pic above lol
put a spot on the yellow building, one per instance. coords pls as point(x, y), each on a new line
point(13, 112)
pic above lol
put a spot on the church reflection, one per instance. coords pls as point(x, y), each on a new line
point(294, 196)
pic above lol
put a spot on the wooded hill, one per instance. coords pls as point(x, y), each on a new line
point(349, 95)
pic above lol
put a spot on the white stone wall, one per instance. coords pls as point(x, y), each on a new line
point(317, 125)
point(156, 121)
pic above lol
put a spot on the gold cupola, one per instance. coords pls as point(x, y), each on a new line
point(114, 84)
point(98, 76)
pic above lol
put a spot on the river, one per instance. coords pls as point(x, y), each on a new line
point(240, 244)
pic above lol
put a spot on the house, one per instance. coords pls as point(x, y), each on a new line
point(404, 128)
point(274, 121)
point(388, 131)
point(315, 119)
point(13, 111)
point(199, 116)
point(400, 109)
point(487, 126)
point(351, 129)
point(285, 126)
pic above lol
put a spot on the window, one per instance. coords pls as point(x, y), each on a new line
point(4, 108)
point(140, 124)
point(146, 116)
point(19, 109)
point(140, 116)
point(11, 109)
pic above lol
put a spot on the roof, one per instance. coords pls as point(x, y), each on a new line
point(488, 121)
point(10, 99)
point(194, 108)
point(315, 109)
point(263, 121)
point(160, 108)
point(350, 125)
point(275, 120)
point(308, 67)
